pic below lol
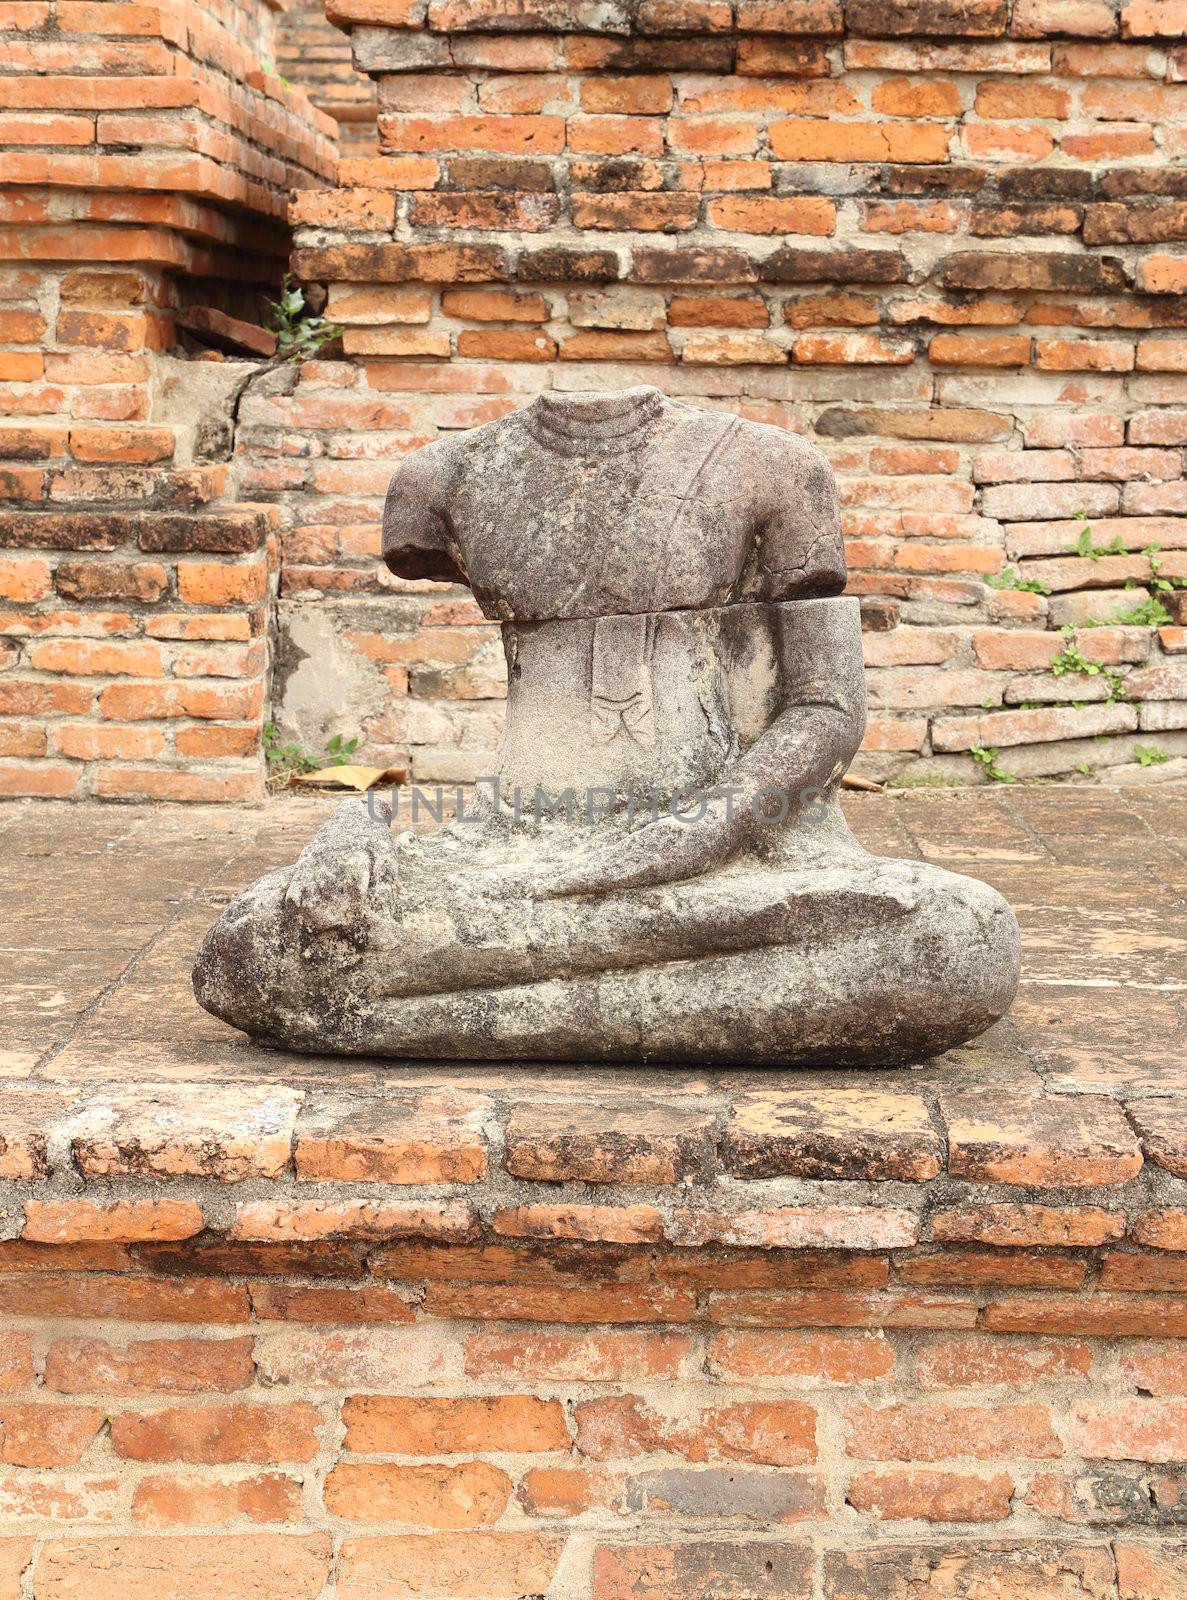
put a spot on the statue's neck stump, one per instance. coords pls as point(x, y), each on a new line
point(584, 423)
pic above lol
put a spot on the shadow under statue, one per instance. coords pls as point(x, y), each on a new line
point(668, 582)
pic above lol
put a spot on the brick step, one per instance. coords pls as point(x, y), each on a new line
point(123, 487)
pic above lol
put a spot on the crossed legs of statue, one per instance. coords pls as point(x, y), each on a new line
point(409, 947)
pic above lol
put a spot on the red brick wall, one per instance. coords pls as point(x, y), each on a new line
point(783, 1346)
point(312, 52)
point(263, 1454)
point(943, 241)
point(146, 159)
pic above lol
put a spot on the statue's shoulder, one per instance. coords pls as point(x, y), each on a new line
point(417, 541)
point(757, 447)
point(788, 454)
point(453, 457)
point(799, 551)
point(428, 468)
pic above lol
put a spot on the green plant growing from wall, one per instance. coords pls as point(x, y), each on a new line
point(299, 334)
point(986, 759)
point(1094, 552)
point(1159, 583)
point(285, 761)
point(1149, 755)
point(1149, 613)
point(339, 750)
point(1072, 659)
point(1009, 579)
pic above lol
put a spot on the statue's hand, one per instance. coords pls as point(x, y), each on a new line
point(668, 851)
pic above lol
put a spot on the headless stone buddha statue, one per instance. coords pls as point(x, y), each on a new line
point(658, 868)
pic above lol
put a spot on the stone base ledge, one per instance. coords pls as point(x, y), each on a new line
point(951, 1204)
point(279, 1327)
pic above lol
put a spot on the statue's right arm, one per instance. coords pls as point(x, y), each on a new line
point(800, 572)
point(418, 538)
point(818, 732)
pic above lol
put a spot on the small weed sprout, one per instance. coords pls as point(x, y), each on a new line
point(986, 759)
point(1093, 552)
point(1148, 614)
point(1161, 585)
point(1009, 579)
point(283, 759)
point(299, 335)
point(339, 750)
point(1149, 755)
point(286, 761)
point(1072, 659)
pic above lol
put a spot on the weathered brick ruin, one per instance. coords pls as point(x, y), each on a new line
point(943, 240)
point(942, 243)
point(311, 51)
point(946, 255)
point(147, 164)
point(278, 1327)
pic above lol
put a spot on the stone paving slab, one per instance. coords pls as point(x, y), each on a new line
point(104, 907)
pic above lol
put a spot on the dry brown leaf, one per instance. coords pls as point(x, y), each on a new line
point(356, 778)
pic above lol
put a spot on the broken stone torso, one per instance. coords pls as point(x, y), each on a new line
point(658, 868)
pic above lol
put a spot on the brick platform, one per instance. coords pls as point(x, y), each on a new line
point(275, 1322)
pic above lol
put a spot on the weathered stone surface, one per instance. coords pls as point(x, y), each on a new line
point(832, 1133)
point(1162, 1128)
point(117, 1221)
point(651, 1144)
point(25, 1119)
point(328, 1219)
point(437, 1139)
point(938, 1432)
point(640, 1224)
point(897, 1495)
point(470, 1566)
point(1151, 1572)
point(779, 1433)
point(392, 1424)
point(187, 1568)
point(162, 1366)
point(437, 1496)
point(717, 1570)
point(1003, 1223)
point(658, 869)
point(1076, 1142)
point(211, 1434)
point(1138, 1270)
point(763, 1497)
point(227, 333)
point(1033, 1570)
point(1163, 1228)
point(187, 1130)
point(800, 1227)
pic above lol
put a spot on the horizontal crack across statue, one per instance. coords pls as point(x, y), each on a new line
point(668, 582)
point(769, 807)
